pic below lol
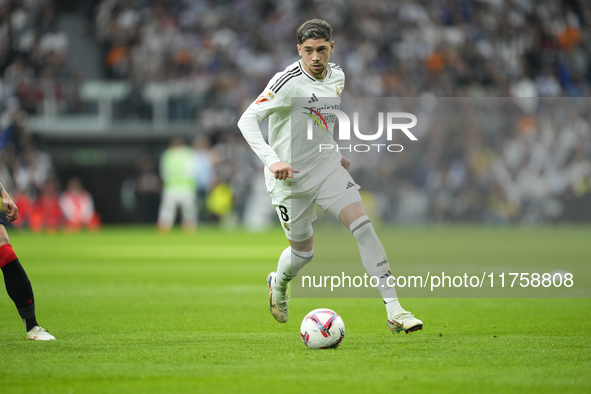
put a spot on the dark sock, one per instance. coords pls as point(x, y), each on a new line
point(20, 291)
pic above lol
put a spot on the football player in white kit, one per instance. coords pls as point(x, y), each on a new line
point(322, 177)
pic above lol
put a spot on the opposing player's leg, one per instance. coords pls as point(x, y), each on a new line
point(297, 226)
point(188, 204)
point(340, 197)
point(19, 288)
point(167, 210)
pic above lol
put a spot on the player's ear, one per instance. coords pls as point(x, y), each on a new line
point(299, 49)
point(331, 47)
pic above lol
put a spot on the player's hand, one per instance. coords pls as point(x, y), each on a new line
point(346, 163)
point(282, 171)
point(9, 207)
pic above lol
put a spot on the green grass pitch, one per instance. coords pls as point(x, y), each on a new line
point(135, 311)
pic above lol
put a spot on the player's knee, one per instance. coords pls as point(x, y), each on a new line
point(308, 247)
point(303, 246)
point(353, 210)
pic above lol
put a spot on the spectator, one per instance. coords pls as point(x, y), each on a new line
point(205, 160)
point(46, 214)
point(78, 207)
point(179, 187)
point(147, 190)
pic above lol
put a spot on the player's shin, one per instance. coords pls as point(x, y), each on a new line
point(375, 261)
point(18, 286)
point(290, 263)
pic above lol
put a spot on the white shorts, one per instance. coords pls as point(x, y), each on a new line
point(186, 200)
point(295, 207)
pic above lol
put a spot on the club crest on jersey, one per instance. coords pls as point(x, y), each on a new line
point(338, 91)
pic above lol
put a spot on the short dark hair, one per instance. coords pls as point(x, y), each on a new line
point(314, 29)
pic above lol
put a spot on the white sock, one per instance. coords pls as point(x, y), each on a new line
point(393, 306)
point(290, 263)
point(374, 260)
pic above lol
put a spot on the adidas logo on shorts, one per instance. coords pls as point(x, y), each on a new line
point(350, 184)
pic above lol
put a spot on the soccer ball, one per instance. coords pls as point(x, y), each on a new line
point(322, 329)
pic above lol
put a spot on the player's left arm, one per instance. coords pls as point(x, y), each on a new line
point(9, 206)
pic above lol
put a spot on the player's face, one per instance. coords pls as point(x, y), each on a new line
point(315, 54)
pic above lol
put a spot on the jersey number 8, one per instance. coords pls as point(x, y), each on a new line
point(284, 215)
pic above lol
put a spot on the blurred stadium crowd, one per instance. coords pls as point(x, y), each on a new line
point(529, 162)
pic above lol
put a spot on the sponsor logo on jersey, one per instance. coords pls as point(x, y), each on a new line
point(317, 116)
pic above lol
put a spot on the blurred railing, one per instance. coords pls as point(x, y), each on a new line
point(116, 108)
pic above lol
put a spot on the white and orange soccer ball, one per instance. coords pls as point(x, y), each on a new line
point(322, 329)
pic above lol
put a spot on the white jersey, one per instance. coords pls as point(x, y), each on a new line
point(287, 135)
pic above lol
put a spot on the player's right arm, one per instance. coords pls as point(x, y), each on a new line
point(264, 106)
point(9, 206)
